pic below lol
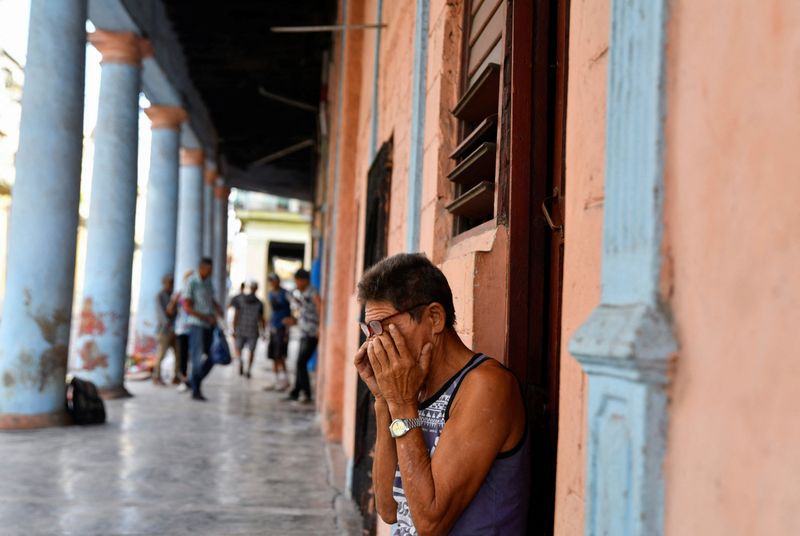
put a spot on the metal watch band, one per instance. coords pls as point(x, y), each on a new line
point(413, 423)
point(410, 424)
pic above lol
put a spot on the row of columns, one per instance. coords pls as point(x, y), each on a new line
point(36, 318)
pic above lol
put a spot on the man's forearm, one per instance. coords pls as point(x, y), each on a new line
point(384, 464)
point(414, 460)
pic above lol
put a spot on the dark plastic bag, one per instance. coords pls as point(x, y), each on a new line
point(220, 353)
point(84, 403)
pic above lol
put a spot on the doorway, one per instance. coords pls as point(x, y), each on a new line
point(284, 259)
point(535, 101)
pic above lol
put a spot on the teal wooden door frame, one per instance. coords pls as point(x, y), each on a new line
point(626, 344)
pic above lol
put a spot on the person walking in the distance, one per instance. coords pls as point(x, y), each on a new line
point(280, 308)
point(249, 322)
point(182, 334)
point(234, 303)
point(308, 323)
point(166, 311)
point(200, 305)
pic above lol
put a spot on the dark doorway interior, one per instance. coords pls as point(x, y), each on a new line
point(379, 181)
point(284, 250)
point(535, 100)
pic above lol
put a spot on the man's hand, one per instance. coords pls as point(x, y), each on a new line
point(399, 374)
point(365, 371)
point(289, 321)
point(211, 319)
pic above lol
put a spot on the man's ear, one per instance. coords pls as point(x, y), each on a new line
point(438, 317)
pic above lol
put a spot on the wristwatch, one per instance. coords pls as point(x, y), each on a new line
point(401, 427)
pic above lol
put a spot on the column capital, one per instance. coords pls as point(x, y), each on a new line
point(192, 157)
point(221, 192)
point(166, 116)
point(211, 176)
point(120, 47)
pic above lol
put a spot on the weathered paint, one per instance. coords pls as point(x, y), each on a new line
point(337, 159)
point(731, 231)
point(626, 344)
point(112, 214)
point(209, 181)
point(583, 204)
point(190, 213)
point(34, 333)
point(418, 98)
point(332, 368)
point(160, 225)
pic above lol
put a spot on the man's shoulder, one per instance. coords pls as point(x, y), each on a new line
point(492, 381)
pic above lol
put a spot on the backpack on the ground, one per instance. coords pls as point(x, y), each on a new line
point(84, 403)
point(220, 354)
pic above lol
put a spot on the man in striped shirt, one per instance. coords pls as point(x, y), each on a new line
point(308, 302)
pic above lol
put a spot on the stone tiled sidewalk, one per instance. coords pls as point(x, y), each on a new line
point(245, 462)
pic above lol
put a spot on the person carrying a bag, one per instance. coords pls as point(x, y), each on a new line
point(199, 304)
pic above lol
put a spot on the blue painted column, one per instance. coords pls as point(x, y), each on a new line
point(189, 248)
point(101, 346)
point(34, 332)
point(160, 226)
point(627, 344)
point(220, 256)
point(210, 181)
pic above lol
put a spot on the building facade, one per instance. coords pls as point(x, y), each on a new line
point(595, 179)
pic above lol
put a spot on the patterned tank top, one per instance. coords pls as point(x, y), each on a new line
point(501, 503)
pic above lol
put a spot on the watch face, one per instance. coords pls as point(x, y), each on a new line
point(398, 428)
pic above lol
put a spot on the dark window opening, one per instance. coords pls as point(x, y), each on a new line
point(376, 228)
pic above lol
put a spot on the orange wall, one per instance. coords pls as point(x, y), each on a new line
point(332, 373)
point(732, 220)
point(585, 161)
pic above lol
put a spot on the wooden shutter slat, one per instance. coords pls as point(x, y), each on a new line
point(485, 131)
point(478, 202)
point(481, 18)
point(476, 5)
point(487, 40)
point(495, 56)
point(478, 166)
point(481, 99)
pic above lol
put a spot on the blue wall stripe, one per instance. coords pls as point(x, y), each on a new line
point(417, 124)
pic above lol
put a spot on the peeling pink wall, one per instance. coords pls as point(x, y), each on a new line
point(333, 363)
point(585, 161)
point(732, 218)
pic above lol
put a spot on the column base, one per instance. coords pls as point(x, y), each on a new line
point(21, 421)
point(113, 393)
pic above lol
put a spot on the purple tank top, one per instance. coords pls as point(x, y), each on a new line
point(501, 504)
